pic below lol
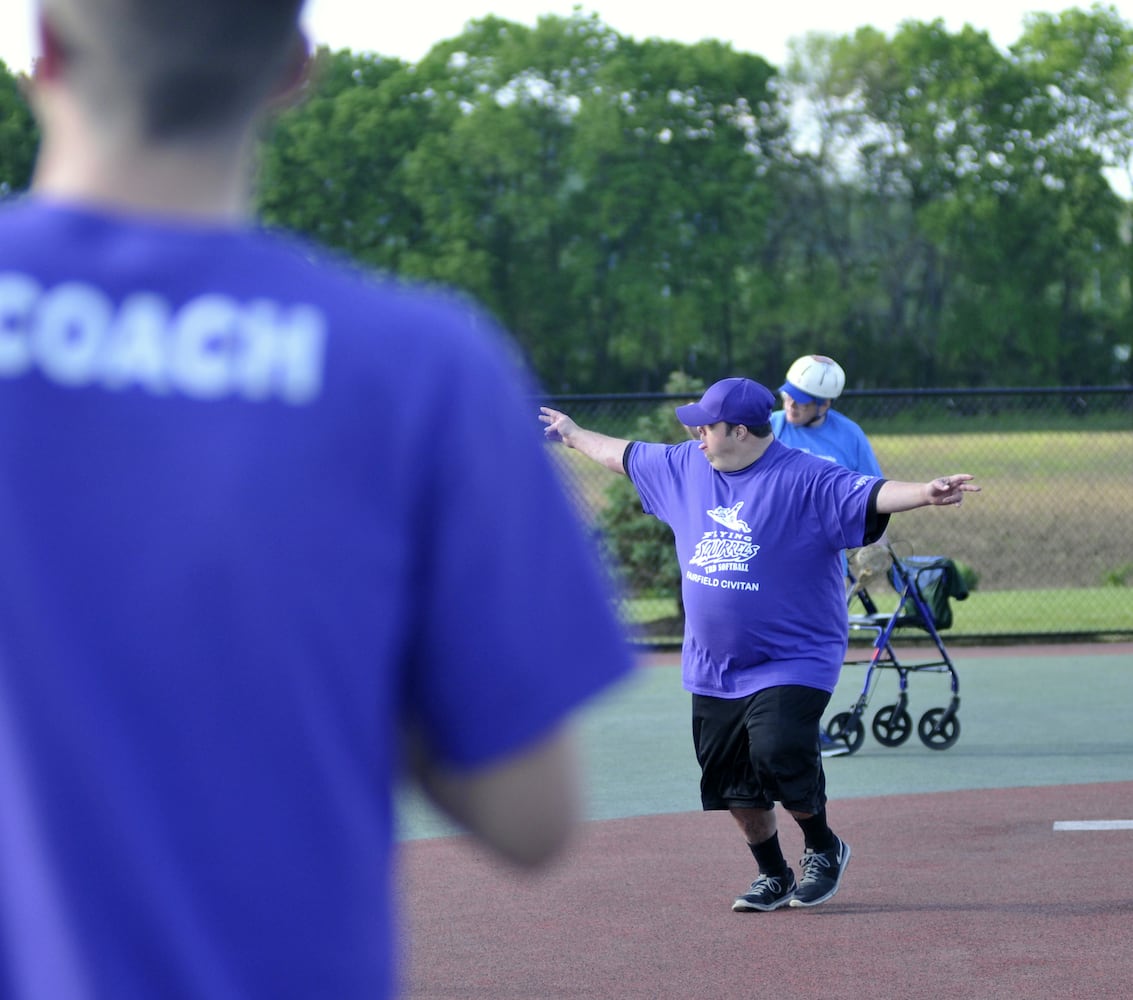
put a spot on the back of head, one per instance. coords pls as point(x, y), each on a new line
point(814, 378)
point(178, 68)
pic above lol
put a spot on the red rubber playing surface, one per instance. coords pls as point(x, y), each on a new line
point(966, 895)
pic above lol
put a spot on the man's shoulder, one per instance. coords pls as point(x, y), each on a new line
point(376, 299)
point(845, 424)
point(54, 243)
point(663, 461)
point(675, 454)
point(797, 463)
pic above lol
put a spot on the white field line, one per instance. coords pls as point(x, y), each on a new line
point(1094, 824)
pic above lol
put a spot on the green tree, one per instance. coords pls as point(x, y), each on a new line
point(599, 195)
point(332, 165)
point(19, 135)
point(939, 215)
point(675, 202)
point(1000, 230)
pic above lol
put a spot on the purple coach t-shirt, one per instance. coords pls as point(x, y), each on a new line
point(760, 554)
point(257, 513)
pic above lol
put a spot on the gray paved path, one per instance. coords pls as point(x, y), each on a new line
point(1041, 715)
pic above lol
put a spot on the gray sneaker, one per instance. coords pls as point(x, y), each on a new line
point(822, 874)
point(768, 892)
point(831, 746)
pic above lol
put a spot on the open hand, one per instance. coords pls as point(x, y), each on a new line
point(559, 425)
point(951, 489)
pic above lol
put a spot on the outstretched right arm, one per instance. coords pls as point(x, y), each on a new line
point(602, 448)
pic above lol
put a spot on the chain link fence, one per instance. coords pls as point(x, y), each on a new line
point(1046, 548)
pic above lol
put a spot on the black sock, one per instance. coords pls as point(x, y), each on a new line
point(769, 856)
point(817, 835)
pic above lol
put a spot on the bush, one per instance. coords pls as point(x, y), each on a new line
point(970, 577)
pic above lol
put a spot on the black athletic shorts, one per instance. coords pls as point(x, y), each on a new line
point(759, 750)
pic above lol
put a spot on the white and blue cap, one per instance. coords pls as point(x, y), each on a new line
point(733, 400)
point(814, 378)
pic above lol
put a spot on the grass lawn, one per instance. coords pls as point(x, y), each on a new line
point(1026, 612)
point(983, 613)
point(1048, 536)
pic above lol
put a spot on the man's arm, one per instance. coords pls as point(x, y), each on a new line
point(603, 449)
point(894, 497)
point(523, 807)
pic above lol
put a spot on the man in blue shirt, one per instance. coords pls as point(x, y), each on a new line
point(808, 422)
point(257, 561)
point(759, 529)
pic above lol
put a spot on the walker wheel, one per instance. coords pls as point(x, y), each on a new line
point(890, 727)
point(851, 733)
point(937, 736)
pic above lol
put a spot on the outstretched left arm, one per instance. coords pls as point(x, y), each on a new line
point(894, 497)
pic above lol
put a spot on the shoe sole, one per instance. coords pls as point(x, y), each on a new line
point(796, 902)
point(743, 906)
point(842, 751)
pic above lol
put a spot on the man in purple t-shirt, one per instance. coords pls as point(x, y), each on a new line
point(759, 531)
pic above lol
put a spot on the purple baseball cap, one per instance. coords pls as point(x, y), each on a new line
point(733, 400)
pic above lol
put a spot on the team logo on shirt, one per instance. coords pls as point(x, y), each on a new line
point(729, 550)
point(729, 518)
point(719, 551)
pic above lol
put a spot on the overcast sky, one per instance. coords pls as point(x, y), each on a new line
point(409, 31)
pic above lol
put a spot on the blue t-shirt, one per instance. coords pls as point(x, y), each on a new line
point(258, 511)
point(837, 439)
point(760, 554)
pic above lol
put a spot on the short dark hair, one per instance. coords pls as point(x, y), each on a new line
point(760, 431)
point(181, 67)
